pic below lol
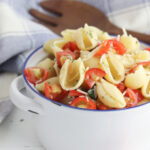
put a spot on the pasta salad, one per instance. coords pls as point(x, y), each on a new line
point(87, 68)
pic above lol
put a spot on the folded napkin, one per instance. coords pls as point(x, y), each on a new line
point(19, 34)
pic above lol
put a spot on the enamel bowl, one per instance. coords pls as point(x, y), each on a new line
point(61, 127)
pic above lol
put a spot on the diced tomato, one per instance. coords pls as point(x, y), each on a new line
point(75, 93)
point(61, 96)
point(106, 44)
point(121, 86)
point(83, 102)
point(119, 47)
point(133, 69)
point(63, 55)
point(144, 64)
point(102, 107)
point(36, 75)
point(104, 47)
point(133, 98)
point(72, 46)
point(54, 92)
point(139, 95)
point(92, 75)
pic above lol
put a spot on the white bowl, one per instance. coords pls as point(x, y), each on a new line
point(61, 127)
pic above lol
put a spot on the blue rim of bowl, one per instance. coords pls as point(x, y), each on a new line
point(61, 104)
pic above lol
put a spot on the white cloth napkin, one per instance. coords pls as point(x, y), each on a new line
point(18, 33)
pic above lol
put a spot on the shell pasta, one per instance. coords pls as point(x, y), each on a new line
point(90, 69)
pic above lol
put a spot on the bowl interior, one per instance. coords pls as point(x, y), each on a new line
point(38, 55)
point(35, 57)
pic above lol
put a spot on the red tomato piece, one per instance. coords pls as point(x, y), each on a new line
point(61, 96)
point(36, 75)
point(139, 95)
point(75, 93)
point(49, 93)
point(121, 86)
point(106, 44)
point(83, 102)
point(102, 107)
point(54, 92)
point(104, 47)
point(133, 98)
point(144, 64)
point(72, 46)
point(63, 55)
point(119, 47)
point(133, 69)
point(92, 75)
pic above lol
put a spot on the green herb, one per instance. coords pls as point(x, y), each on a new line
point(91, 93)
point(65, 57)
point(90, 34)
point(70, 58)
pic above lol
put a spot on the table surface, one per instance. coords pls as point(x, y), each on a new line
point(17, 132)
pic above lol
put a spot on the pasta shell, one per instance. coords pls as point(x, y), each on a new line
point(40, 87)
point(72, 74)
point(84, 54)
point(67, 34)
point(127, 60)
point(57, 69)
point(130, 42)
point(89, 60)
point(141, 56)
point(146, 88)
point(136, 80)
point(84, 39)
point(93, 34)
point(113, 67)
point(82, 36)
point(48, 65)
point(54, 46)
point(110, 95)
point(98, 34)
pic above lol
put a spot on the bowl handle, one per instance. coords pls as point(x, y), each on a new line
point(21, 100)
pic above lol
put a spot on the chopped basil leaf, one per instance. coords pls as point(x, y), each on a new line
point(91, 93)
point(90, 34)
